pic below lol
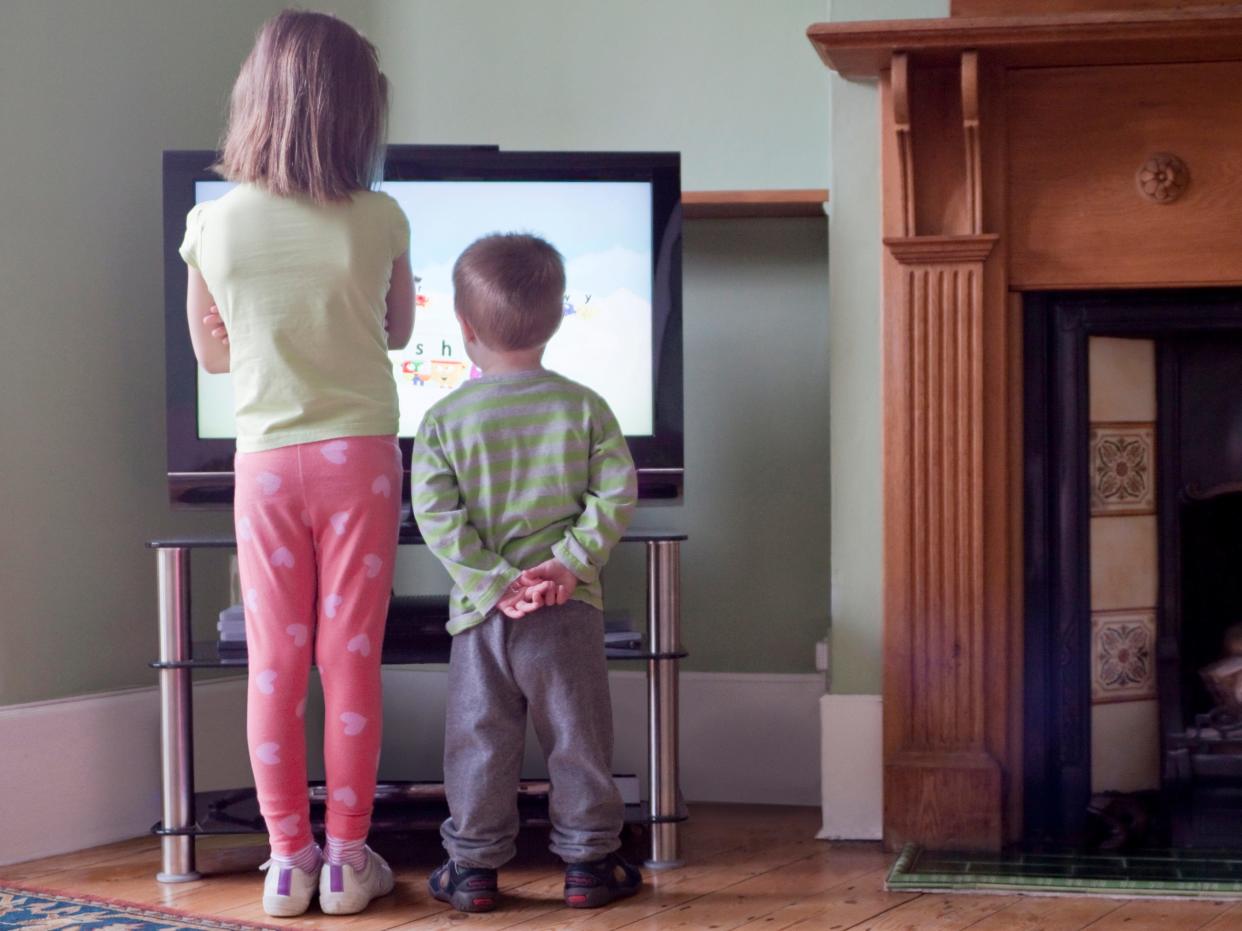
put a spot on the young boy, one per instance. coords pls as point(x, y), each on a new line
point(522, 484)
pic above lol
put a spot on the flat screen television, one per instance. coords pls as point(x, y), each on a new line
point(616, 218)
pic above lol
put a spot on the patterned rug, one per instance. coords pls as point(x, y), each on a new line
point(44, 910)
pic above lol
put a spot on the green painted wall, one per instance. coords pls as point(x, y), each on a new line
point(91, 93)
point(854, 362)
point(737, 89)
point(732, 84)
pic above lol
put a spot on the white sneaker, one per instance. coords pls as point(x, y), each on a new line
point(345, 891)
point(287, 890)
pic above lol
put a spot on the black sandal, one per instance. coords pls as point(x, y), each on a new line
point(467, 889)
point(595, 884)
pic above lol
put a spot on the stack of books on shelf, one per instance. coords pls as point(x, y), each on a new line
point(231, 630)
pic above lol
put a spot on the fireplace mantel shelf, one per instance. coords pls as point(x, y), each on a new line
point(860, 50)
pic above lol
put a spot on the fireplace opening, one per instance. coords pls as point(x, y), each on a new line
point(1211, 567)
point(1133, 533)
point(1203, 749)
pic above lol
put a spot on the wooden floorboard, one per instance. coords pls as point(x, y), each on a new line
point(747, 867)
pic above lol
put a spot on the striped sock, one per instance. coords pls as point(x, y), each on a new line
point(308, 859)
point(347, 852)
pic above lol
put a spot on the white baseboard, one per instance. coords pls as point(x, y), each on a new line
point(85, 771)
point(853, 772)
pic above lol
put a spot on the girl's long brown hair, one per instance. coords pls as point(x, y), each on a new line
point(308, 112)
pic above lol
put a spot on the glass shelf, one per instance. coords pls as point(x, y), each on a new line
point(398, 807)
point(207, 654)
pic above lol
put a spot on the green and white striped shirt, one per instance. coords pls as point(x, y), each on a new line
point(511, 470)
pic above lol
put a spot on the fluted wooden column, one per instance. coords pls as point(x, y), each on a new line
point(947, 765)
point(941, 785)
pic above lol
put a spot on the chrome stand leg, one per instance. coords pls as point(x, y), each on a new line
point(664, 628)
point(176, 735)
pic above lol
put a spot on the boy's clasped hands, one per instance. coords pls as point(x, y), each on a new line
point(549, 583)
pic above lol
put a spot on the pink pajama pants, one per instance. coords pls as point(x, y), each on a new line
point(316, 538)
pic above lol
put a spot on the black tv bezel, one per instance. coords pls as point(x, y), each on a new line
point(200, 471)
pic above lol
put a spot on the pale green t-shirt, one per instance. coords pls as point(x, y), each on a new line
point(301, 288)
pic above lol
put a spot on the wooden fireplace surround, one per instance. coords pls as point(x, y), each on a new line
point(1019, 153)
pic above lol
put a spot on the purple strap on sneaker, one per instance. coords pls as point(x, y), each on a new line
point(285, 882)
point(336, 877)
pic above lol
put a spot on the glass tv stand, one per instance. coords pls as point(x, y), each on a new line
point(186, 816)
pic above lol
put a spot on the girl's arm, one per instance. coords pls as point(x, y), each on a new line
point(400, 318)
point(211, 352)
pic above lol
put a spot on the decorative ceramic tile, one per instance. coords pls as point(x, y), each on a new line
point(1121, 375)
point(1123, 657)
point(1123, 468)
point(1123, 562)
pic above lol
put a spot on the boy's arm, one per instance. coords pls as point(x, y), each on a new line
point(484, 576)
point(612, 493)
point(212, 352)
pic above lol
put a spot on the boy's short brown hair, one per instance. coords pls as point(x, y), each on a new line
point(511, 288)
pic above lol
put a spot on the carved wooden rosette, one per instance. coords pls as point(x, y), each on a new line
point(944, 785)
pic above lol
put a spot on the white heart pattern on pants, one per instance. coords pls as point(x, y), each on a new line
point(360, 644)
point(252, 599)
point(268, 753)
point(347, 795)
point(338, 521)
point(300, 710)
point(289, 825)
point(382, 486)
point(270, 482)
point(300, 633)
point(331, 603)
point(265, 681)
point(373, 565)
point(283, 557)
point(245, 530)
point(354, 723)
point(334, 452)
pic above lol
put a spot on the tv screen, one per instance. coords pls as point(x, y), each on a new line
point(613, 216)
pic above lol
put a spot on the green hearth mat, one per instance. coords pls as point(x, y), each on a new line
point(1173, 873)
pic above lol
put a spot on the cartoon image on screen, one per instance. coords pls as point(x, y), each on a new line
point(603, 230)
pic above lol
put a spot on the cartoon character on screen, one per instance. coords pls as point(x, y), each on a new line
point(410, 371)
point(447, 374)
point(580, 308)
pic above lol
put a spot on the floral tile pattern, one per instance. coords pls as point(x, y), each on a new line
point(1123, 468)
point(1123, 655)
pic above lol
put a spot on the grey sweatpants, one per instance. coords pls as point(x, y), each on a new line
point(550, 663)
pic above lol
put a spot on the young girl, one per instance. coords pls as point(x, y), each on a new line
point(308, 269)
